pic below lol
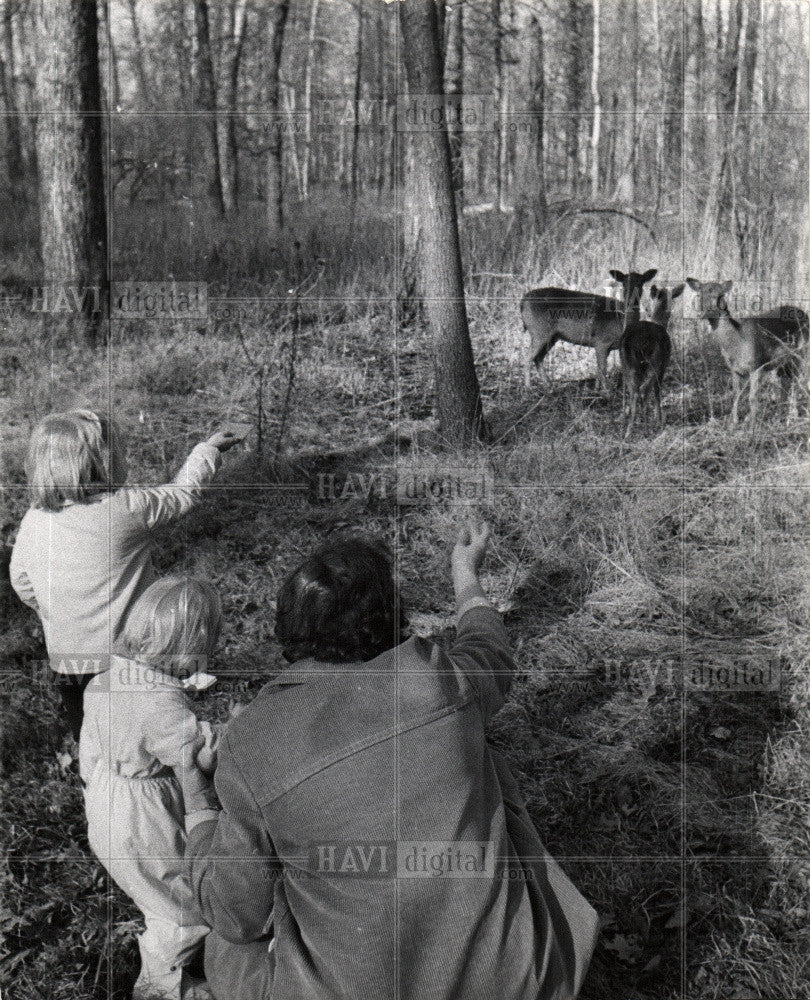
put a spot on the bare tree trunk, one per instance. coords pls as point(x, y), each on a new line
point(748, 89)
point(597, 105)
point(674, 104)
point(454, 83)
point(307, 109)
point(698, 127)
point(574, 80)
point(634, 104)
point(358, 89)
point(72, 204)
point(226, 117)
point(660, 76)
point(14, 157)
point(502, 98)
point(273, 186)
point(537, 108)
point(728, 100)
point(113, 98)
point(458, 401)
point(138, 56)
point(382, 168)
point(207, 99)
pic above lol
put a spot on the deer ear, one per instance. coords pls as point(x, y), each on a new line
point(694, 284)
point(677, 290)
point(649, 274)
point(725, 286)
point(617, 275)
point(654, 291)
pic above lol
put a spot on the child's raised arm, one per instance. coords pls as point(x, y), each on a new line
point(161, 504)
point(481, 648)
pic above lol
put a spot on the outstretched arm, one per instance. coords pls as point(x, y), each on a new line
point(481, 648)
point(159, 505)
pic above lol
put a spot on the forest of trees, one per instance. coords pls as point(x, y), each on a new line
point(684, 113)
point(580, 100)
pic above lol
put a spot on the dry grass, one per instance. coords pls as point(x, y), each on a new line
point(619, 567)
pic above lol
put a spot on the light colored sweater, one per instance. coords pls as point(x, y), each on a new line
point(83, 567)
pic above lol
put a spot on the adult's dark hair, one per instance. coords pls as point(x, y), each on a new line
point(340, 604)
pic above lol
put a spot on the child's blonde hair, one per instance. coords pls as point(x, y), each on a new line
point(174, 625)
point(73, 456)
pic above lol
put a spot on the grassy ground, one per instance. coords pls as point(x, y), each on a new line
point(622, 569)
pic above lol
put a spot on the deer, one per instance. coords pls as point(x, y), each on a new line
point(771, 341)
point(645, 350)
point(553, 314)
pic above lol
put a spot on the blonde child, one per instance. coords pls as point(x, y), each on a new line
point(139, 740)
point(82, 555)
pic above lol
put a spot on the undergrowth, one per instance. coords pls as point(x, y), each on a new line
point(623, 569)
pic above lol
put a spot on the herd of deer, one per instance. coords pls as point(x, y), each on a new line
point(771, 341)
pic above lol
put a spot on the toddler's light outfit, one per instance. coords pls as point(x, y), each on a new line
point(138, 726)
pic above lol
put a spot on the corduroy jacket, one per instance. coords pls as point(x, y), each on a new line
point(368, 827)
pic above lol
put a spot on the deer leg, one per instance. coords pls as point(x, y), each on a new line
point(753, 388)
point(787, 384)
point(657, 396)
point(601, 363)
point(737, 388)
point(537, 358)
point(632, 378)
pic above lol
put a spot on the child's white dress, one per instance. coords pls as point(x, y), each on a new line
point(137, 727)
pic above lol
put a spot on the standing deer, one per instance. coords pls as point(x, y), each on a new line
point(645, 350)
point(772, 341)
point(553, 314)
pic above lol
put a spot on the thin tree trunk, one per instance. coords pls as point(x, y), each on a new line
point(138, 56)
point(634, 103)
point(597, 106)
point(288, 96)
point(660, 76)
point(458, 401)
point(675, 98)
point(14, 157)
point(698, 126)
point(501, 98)
point(574, 87)
point(537, 108)
point(207, 96)
point(307, 109)
point(386, 125)
point(72, 205)
point(358, 90)
point(274, 187)
point(226, 115)
point(748, 91)
point(727, 99)
point(113, 98)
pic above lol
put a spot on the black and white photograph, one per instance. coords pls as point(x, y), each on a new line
point(404, 500)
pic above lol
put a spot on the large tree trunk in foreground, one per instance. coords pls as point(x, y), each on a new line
point(458, 402)
point(72, 213)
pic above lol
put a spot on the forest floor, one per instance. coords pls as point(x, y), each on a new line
point(635, 578)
